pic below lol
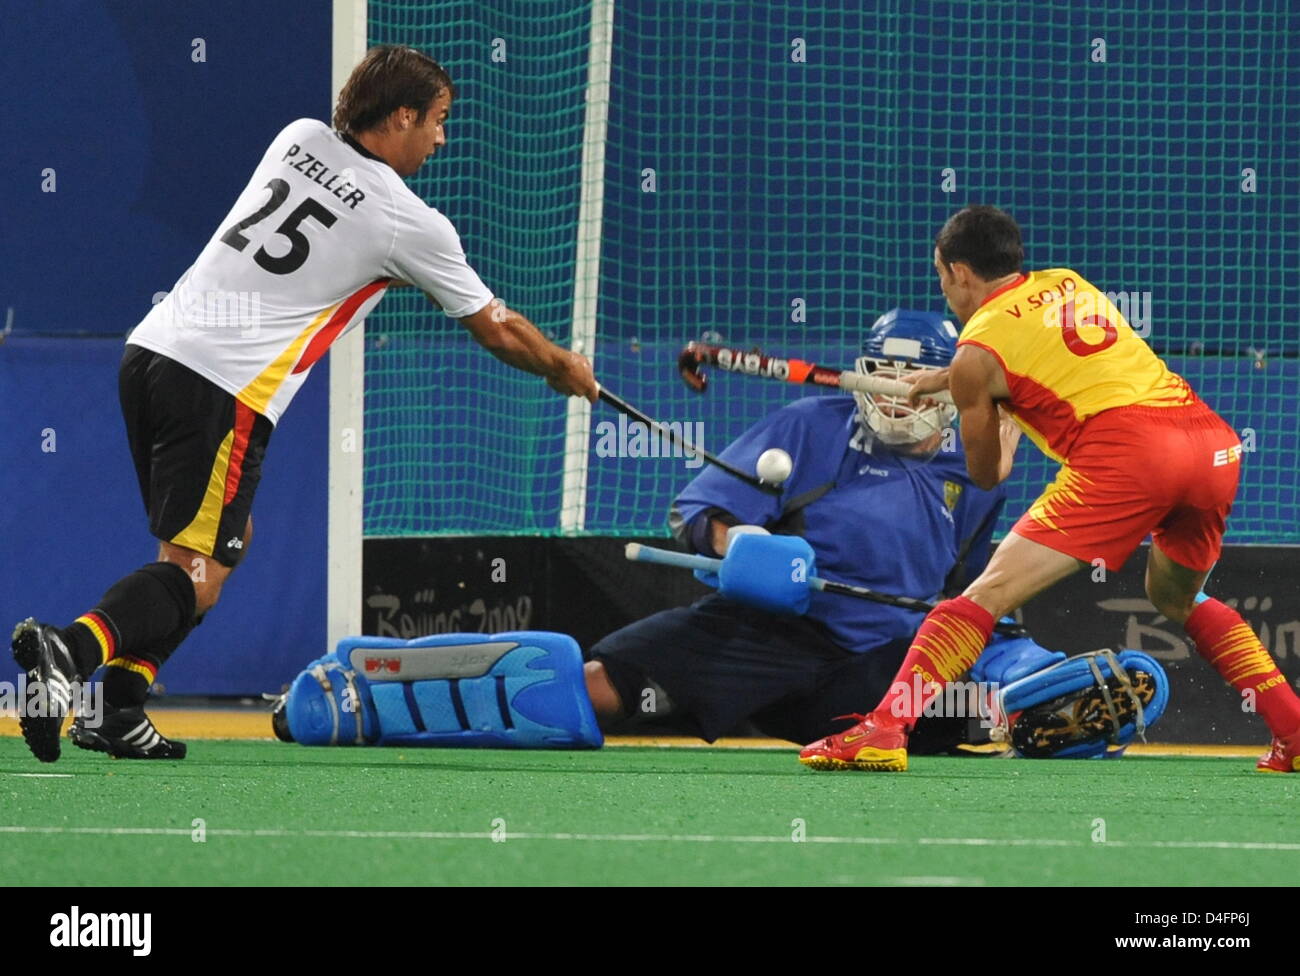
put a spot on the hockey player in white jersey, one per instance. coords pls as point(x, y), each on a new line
point(324, 227)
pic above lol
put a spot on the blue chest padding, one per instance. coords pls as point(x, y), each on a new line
point(1074, 710)
point(521, 689)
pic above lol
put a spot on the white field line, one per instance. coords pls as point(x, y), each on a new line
point(239, 832)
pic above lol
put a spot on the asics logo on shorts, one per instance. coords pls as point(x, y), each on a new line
point(1228, 455)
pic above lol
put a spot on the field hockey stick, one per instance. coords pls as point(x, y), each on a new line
point(697, 355)
point(635, 552)
point(622, 406)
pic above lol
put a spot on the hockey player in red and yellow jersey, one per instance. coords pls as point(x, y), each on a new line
point(1140, 454)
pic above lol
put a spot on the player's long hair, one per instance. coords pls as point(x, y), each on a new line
point(388, 78)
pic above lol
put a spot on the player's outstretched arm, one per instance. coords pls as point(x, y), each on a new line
point(973, 380)
point(1009, 432)
point(516, 341)
point(926, 381)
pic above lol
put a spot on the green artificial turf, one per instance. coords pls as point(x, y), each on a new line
point(640, 816)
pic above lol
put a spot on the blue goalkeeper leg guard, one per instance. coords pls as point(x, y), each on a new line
point(1085, 707)
point(522, 689)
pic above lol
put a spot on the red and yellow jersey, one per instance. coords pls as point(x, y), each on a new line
point(1068, 354)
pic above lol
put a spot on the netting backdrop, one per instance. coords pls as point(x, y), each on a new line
point(776, 172)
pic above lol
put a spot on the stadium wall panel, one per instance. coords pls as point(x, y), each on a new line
point(149, 119)
point(584, 587)
point(149, 137)
point(72, 521)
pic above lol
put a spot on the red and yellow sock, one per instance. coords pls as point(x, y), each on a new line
point(1228, 643)
point(950, 639)
point(93, 640)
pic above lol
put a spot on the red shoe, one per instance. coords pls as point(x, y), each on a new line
point(1283, 756)
point(877, 743)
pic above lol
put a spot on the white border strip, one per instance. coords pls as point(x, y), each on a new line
point(347, 388)
point(586, 269)
point(254, 832)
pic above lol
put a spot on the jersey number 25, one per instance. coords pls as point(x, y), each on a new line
point(300, 246)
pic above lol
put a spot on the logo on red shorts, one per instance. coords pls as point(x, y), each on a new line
point(1228, 455)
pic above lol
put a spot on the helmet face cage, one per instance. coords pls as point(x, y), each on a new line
point(902, 342)
point(893, 420)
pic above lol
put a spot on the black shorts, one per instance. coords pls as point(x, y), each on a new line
point(197, 450)
point(721, 664)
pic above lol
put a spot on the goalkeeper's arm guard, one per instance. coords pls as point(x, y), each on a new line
point(767, 571)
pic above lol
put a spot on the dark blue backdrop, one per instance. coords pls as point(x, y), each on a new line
point(149, 150)
point(72, 521)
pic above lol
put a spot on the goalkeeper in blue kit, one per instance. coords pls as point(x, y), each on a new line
point(880, 493)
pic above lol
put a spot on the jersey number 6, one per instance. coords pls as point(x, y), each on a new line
point(1075, 342)
point(298, 252)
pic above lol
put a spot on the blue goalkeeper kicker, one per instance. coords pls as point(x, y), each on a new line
point(1079, 674)
point(520, 689)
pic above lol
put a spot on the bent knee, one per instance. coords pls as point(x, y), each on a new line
point(205, 573)
point(1177, 605)
point(604, 696)
point(207, 591)
point(205, 597)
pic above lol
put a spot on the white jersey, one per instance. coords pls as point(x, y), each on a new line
point(306, 252)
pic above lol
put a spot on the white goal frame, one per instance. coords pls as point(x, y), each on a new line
point(347, 355)
point(347, 362)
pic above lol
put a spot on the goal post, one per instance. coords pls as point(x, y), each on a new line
point(346, 394)
point(586, 272)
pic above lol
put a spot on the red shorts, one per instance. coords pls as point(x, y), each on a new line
point(1168, 471)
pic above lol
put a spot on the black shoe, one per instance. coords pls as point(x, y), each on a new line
point(126, 733)
point(279, 720)
point(40, 651)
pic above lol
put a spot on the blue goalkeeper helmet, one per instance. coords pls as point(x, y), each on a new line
point(903, 341)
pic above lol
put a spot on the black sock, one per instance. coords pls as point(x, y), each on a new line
point(128, 678)
point(87, 652)
point(142, 609)
point(124, 688)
